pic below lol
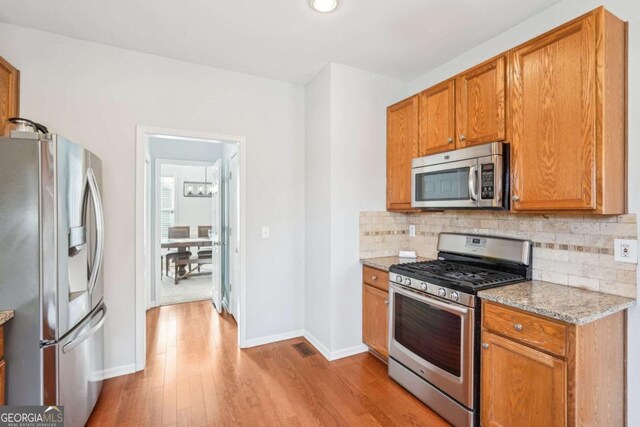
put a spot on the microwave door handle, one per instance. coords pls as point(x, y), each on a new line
point(473, 183)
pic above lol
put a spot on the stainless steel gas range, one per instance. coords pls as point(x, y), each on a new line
point(434, 320)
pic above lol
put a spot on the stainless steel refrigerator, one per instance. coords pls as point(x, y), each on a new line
point(52, 242)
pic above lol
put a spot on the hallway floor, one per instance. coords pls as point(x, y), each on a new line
point(197, 375)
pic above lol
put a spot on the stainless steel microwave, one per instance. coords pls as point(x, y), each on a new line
point(469, 178)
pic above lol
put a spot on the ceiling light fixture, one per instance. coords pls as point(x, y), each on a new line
point(323, 6)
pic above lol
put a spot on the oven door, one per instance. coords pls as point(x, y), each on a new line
point(446, 185)
point(434, 339)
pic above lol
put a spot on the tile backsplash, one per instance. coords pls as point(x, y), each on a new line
point(573, 250)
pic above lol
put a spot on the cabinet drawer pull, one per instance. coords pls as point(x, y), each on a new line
point(449, 140)
point(517, 327)
point(386, 302)
point(485, 345)
point(374, 277)
point(462, 137)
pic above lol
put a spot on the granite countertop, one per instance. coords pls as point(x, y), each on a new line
point(5, 316)
point(565, 303)
point(383, 263)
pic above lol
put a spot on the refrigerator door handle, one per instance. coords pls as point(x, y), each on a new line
point(97, 206)
point(76, 341)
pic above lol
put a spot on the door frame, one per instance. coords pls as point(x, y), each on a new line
point(142, 141)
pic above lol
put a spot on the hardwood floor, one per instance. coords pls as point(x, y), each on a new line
point(197, 375)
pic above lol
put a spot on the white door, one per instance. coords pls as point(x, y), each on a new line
point(234, 235)
point(216, 238)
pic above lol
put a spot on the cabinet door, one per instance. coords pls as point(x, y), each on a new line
point(480, 103)
point(402, 147)
point(437, 119)
point(2, 383)
point(9, 93)
point(521, 386)
point(375, 320)
point(553, 114)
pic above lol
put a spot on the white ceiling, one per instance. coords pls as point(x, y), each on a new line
point(282, 39)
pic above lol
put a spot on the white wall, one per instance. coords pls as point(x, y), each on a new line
point(346, 164)
point(318, 208)
point(96, 95)
point(628, 10)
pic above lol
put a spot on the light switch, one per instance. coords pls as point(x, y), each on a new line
point(412, 230)
point(265, 232)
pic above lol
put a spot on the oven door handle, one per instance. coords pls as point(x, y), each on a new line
point(450, 307)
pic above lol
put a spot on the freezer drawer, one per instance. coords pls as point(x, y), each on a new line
point(78, 362)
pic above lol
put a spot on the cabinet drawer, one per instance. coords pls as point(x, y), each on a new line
point(376, 278)
point(544, 334)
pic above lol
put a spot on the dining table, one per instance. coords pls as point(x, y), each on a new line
point(183, 244)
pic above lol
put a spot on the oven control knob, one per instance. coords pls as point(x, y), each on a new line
point(442, 292)
point(423, 286)
point(407, 281)
point(455, 296)
point(399, 279)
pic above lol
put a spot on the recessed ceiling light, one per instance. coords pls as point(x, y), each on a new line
point(323, 6)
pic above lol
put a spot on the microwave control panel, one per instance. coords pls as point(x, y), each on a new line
point(487, 180)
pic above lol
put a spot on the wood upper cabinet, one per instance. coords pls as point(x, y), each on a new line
point(375, 328)
point(9, 93)
point(402, 147)
point(436, 119)
point(521, 386)
point(481, 103)
point(567, 98)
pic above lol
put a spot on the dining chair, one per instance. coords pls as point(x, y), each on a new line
point(206, 251)
point(177, 232)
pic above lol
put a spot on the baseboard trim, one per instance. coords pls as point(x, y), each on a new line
point(334, 355)
point(318, 345)
point(117, 371)
point(254, 342)
point(349, 351)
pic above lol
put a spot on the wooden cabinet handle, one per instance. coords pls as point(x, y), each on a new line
point(517, 327)
point(449, 140)
point(462, 137)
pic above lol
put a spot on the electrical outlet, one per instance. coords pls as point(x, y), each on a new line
point(265, 232)
point(412, 230)
point(625, 251)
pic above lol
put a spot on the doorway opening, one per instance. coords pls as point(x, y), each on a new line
point(186, 217)
point(190, 223)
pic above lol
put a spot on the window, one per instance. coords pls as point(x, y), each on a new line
point(167, 204)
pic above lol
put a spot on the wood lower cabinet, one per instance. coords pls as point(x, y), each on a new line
point(481, 98)
point(529, 378)
point(3, 374)
point(402, 147)
point(521, 385)
point(568, 111)
point(436, 119)
point(375, 314)
point(9, 93)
